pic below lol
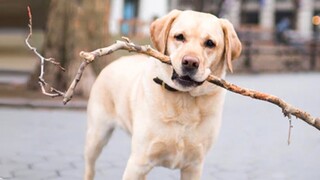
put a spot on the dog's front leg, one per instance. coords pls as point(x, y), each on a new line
point(192, 172)
point(137, 169)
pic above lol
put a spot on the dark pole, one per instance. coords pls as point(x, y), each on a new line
point(248, 51)
point(198, 5)
point(313, 49)
point(314, 42)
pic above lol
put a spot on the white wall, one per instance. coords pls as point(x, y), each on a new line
point(150, 8)
point(147, 10)
point(115, 15)
point(304, 24)
point(267, 14)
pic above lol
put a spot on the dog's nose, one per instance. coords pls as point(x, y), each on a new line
point(190, 63)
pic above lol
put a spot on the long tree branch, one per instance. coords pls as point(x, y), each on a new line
point(287, 108)
point(127, 45)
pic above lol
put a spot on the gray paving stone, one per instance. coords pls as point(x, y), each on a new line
point(35, 174)
point(232, 175)
point(164, 173)
point(5, 173)
point(48, 144)
point(72, 173)
point(64, 178)
point(109, 173)
point(52, 166)
point(27, 159)
point(7, 170)
point(21, 178)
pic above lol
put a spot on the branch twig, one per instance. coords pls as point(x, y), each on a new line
point(53, 92)
point(89, 57)
point(118, 45)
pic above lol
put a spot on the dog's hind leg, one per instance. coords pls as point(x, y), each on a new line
point(192, 172)
point(99, 132)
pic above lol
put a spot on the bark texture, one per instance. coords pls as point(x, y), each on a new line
point(72, 26)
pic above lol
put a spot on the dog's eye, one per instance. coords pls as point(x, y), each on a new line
point(179, 37)
point(209, 43)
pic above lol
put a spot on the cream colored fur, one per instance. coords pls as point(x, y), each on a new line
point(170, 129)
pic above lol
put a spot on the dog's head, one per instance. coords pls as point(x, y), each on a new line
point(198, 44)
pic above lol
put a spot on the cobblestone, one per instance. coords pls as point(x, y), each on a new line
point(38, 144)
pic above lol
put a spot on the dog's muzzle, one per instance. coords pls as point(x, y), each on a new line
point(185, 80)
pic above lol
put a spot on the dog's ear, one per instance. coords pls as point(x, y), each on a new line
point(232, 43)
point(159, 30)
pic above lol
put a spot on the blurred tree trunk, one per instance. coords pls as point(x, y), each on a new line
point(220, 9)
point(198, 5)
point(73, 25)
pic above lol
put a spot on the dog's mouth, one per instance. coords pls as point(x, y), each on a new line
point(185, 81)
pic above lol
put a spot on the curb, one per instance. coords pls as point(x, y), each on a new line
point(42, 104)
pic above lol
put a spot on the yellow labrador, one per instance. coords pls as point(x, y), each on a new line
point(172, 114)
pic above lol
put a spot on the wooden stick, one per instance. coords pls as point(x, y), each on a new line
point(118, 45)
point(89, 57)
point(287, 108)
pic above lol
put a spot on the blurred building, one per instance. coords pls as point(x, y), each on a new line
point(13, 14)
point(132, 17)
point(263, 14)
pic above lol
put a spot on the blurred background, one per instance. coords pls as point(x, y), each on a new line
point(277, 35)
point(42, 139)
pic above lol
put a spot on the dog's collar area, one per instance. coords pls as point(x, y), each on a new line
point(164, 85)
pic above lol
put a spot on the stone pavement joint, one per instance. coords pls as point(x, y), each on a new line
point(36, 103)
point(47, 144)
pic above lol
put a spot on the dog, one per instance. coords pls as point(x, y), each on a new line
point(171, 112)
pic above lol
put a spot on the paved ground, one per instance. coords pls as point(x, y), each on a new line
point(40, 144)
